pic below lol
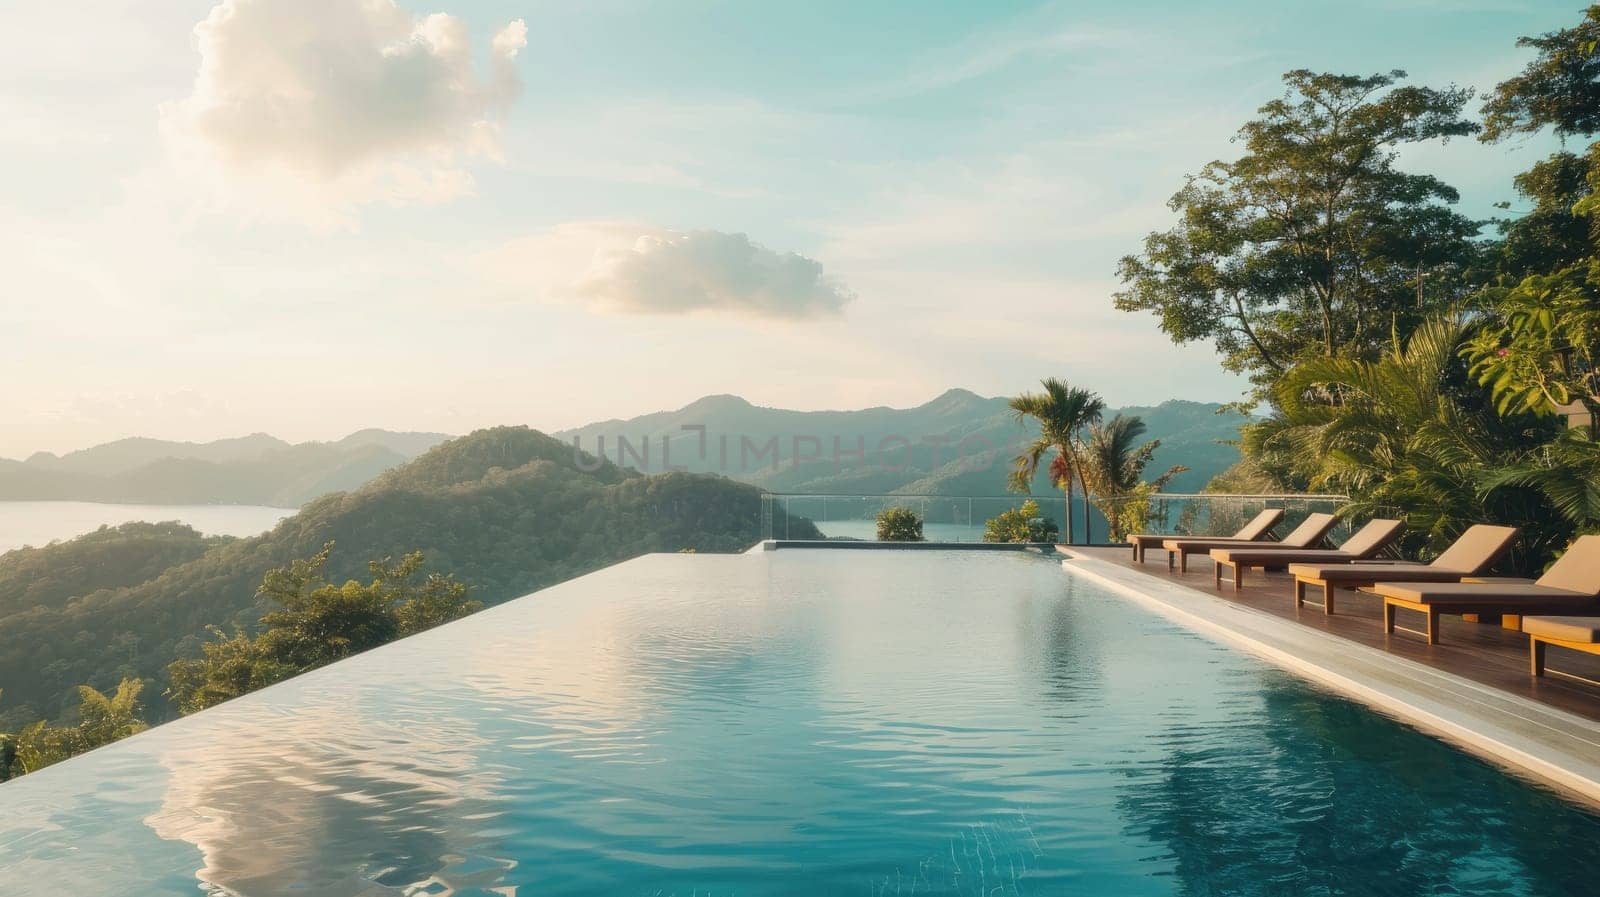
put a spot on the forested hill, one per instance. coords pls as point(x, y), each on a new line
point(1198, 435)
point(256, 469)
point(506, 510)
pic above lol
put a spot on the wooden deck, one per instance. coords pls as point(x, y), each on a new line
point(1482, 652)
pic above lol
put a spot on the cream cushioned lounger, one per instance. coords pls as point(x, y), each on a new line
point(1573, 633)
point(1570, 586)
point(1362, 544)
point(1471, 555)
point(1306, 535)
point(1258, 529)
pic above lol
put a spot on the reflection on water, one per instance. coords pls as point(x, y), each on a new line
point(295, 805)
point(868, 723)
point(1369, 809)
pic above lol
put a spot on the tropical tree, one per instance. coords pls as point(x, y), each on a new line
point(899, 525)
point(1023, 524)
point(102, 719)
point(1542, 355)
point(1559, 89)
point(1062, 412)
point(1401, 437)
point(1112, 463)
point(317, 623)
point(1312, 244)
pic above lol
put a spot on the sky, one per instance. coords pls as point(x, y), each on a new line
point(306, 217)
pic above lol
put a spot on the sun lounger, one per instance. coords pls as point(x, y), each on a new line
point(1570, 587)
point(1362, 544)
point(1258, 529)
point(1574, 633)
point(1306, 535)
point(1471, 555)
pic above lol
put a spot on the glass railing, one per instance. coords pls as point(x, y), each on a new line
point(950, 518)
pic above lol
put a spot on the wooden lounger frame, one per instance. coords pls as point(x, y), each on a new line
point(1536, 648)
point(1510, 612)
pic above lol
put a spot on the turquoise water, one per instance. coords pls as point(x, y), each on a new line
point(794, 722)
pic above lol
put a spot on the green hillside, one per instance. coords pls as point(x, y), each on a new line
point(109, 558)
point(507, 511)
point(922, 445)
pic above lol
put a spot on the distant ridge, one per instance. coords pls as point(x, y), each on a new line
point(1195, 434)
point(257, 469)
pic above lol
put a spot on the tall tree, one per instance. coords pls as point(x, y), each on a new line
point(1062, 413)
point(1559, 89)
point(1112, 463)
point(1312, 243)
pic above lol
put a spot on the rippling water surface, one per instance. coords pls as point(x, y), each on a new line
point(794, 722)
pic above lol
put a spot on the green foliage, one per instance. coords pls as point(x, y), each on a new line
point(102, 719)
point(508, 510)
point(316, 623)
point(1559, 89)
point(1552, 234)
point(1112, 463)
point(1401, 438)
point(108, 558)
point(1311, 244)
point(899, 525)
point(1062, 412)
point(1565, 471)
point(1543, 350)
point(1020, 525)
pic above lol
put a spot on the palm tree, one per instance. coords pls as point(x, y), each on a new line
point(1111, 464)
point(1392, 433)
point(1062, 412)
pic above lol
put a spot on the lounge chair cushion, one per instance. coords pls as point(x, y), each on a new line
point(1477, 548)
point(1585, 630)
point(1257, 527)
point(1257, 556)
point(1508, 593)
point(1577, 570)
point(1409, 571)
point(1372, 537)
point(1308, 533)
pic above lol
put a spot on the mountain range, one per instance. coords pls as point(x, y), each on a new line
point(250, 470)
point(956, 444)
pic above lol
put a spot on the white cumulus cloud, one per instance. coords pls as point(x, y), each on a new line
point(346, 101)
point(630, 268)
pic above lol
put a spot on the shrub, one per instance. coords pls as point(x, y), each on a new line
point(899, 525)
point(1021, 525)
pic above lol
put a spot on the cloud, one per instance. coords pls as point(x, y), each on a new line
point(628, 268)
point(352, 100)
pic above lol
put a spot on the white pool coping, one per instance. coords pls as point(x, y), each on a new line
point(1546, 744)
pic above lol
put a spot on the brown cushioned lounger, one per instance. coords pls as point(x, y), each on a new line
point(1306, 535)
point(1570, 586)
point(1471, 555)
point(1362, 544)
point(1258, 529)
point(1575, 633)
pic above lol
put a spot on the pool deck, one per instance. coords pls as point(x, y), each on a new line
point(1473, 688)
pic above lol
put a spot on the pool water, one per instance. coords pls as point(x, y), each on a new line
point(793, 722)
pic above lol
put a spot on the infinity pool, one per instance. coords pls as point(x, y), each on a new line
point(793, 722)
